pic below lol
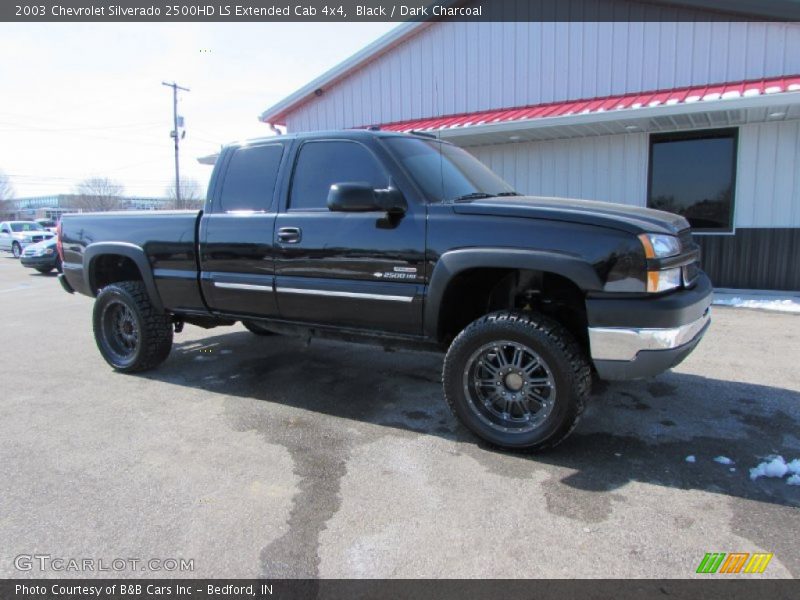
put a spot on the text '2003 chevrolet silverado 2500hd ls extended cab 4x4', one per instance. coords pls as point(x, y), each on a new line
point(403, 240)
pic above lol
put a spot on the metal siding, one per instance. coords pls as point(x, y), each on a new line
point(764, 259)
point(768, 175)
point(463, 67)
point(610, 167)
point(614, 168)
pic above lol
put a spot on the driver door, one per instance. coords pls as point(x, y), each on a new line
point(356, 269)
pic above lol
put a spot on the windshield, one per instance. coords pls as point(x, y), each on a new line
point(446, 172)
point(26, 226)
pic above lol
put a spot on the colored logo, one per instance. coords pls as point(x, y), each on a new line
point(735, 562)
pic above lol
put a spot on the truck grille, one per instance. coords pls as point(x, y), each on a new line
point(691, 271)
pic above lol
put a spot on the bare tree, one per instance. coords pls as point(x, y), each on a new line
point(6, 195)
point(191, 196)
point(98, 194)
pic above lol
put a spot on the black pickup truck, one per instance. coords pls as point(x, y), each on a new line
point(403, 240)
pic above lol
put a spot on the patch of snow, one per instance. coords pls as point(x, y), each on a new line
point(723, 460)
point(794, 466)
point(776, 467)
point(691, 458)
point(793, 480)
point(791, 305)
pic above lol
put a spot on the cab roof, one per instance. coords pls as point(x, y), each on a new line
point(344, 134)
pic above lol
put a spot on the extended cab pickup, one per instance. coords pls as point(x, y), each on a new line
point(403, 240)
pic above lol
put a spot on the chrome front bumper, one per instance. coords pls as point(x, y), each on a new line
point(624, 344)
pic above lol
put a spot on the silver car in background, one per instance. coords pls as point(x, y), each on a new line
point(15, 235)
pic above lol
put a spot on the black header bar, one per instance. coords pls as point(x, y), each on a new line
point(340, 11)
point(710, 587)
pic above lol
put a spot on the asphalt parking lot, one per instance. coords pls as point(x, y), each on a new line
point(269, 457)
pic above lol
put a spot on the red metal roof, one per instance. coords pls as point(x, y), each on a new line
point(685, 95)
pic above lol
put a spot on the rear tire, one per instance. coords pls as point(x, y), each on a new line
point(517, 380)
point(130, 333)
point(257, 328)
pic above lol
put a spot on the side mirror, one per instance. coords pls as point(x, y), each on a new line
point(359, 196)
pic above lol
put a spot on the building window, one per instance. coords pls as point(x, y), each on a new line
point(693, 174)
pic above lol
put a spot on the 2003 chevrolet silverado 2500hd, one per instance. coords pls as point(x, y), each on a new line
point(402, 240)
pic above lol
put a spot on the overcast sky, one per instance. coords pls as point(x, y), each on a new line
point(83, 100)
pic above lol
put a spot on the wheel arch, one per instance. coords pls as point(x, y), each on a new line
point(131, 256)
point(451, 264)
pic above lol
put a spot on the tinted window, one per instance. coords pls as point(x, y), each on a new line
point(321, 164)
point(444, 171)
point(250, 179)
point(26, 226)
point(693, 175)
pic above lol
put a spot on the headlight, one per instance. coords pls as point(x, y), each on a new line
point(660, 246)
point(662, 281)
point(27, 240)
point(45, 252)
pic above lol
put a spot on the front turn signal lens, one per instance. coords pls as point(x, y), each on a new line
point(663, 281)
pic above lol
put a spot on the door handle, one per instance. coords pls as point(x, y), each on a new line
point(289, 235)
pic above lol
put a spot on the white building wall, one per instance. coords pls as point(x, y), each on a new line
point(454, 67)
point(768, 175)
point(614, 168)
point(609, 167)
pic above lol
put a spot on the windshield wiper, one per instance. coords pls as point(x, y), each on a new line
point(508, 194)
point(472, 196)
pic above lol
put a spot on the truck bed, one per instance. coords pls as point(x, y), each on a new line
point(166, 239)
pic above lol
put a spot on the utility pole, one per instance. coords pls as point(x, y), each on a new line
point(175, 87)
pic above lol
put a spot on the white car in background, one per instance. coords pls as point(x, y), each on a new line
point(15, 235)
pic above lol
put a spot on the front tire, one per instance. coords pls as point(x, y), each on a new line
point(517, 380)
point(130, 333)
point(16, 249)
point(44, 270)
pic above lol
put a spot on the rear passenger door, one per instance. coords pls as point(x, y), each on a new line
point(355, 270)
point(237, 269)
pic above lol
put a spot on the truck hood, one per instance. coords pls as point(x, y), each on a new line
point(591, 212)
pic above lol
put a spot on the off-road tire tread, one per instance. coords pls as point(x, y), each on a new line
point(559, 336)
point(156, 328)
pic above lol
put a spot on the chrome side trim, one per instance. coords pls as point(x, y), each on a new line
point(243, 286)
point(622, 343)
point(359, 295)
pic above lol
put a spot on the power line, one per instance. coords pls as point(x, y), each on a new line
point(76, 127)
point(39, 130)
